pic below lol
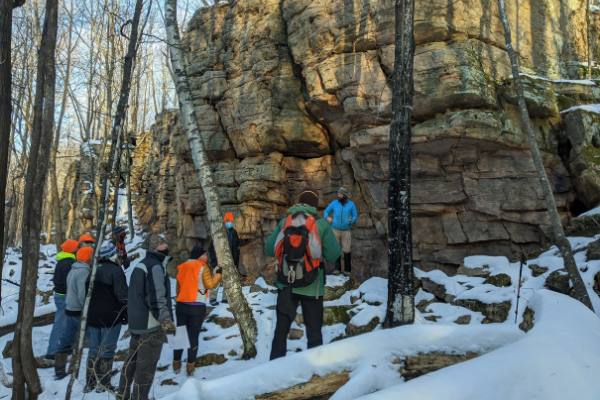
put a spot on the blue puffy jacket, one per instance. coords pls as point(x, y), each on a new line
point(341, 214)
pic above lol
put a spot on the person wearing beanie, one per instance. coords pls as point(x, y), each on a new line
point(194, 280)
point(76, 291)
point(65, 260)
point(119, 235)
point(311, 296)
point(106, 314)
point(150, 318)
point(234, 245)
point(342, 214)
point(86, 240)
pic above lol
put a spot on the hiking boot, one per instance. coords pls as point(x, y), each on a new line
point(49, 357)
point(214, 303)
point(177, 366)
point(105, 373)
point(91, 379)
point(338, 266)
point(60, 364)
point(190, 367)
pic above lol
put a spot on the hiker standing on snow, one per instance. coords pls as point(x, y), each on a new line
point(76, 290)
point(193, 280)
point(65, 259)
point(341, 214)
point(107, 312)
point(234, 245)
point(119, 235)
point(301, 242)
point(149, 311)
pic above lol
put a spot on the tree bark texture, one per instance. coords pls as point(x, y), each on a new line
point(24, 370)
point(589, 40)
point(116, 136)
point(562, 242)
point(232, 286)
point(400, 307)
point(5, 108)
point(128, 184)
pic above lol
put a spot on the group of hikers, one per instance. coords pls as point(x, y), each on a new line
point(301, 243)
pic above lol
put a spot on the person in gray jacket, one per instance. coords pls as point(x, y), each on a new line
point(150, 315)
point(76, 290)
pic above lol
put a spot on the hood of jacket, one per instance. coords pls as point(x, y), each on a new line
point(64, 255)
point(303, 208)
point(80, 265)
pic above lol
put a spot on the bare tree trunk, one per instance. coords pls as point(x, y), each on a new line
point(6, 7)
point(401, 301)
point(563, 244)
point(232, 286)
point(105, 194)
point(24, 366)
point(589, 40)
point(128, 183)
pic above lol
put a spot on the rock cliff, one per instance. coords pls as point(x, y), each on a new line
point(291, 93)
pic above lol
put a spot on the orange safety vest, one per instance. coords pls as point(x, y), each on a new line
point(188, 278)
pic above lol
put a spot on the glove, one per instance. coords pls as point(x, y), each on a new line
point(219, 270)
point(168, 326)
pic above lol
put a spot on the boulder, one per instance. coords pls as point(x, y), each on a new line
point(536, 270)
point(463, 320)
point(352, 330)
point(527, 323)
point(438, 290)
point(336, 315)
point(482, 272)
point(494, 312)
point(210, 359)
point(558, 281)
point(295, 334)
point(499, 280)
point(593, 251)
point(334, 293)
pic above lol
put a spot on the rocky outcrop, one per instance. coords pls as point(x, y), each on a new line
point(291, 93)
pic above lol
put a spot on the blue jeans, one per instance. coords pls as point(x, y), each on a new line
point(103, 341)
point(69, 334)
point(59, 324)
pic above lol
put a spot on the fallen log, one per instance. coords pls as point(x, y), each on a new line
point(318, 388)
point(422, 364)
point(42, 320)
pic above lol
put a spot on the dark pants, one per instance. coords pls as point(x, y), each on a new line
point(140, 366)
point(191, 317)
point(312, 312)
point(69, 334)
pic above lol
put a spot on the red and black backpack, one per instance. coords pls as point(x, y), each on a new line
point(298, 250)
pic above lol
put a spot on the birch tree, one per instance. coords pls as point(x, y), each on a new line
point(589, 40)
point(116, 136)
point(401, 302)
point(232, 286)
point(563, 244)
point(24, 367)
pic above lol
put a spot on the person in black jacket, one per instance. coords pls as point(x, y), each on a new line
point(150, 315)
point(65, 259)
point(106, 314)
point(119, 236)
point(234, 244)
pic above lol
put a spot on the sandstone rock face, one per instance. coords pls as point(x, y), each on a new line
point(297, 92)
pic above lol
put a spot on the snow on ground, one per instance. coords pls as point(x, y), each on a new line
point(558, 359)
point(369, 356)
point(593, 108)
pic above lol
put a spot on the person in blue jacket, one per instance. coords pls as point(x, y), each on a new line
point(341, 214)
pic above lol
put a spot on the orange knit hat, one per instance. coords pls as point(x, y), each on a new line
point(86, 238)
point(70, 246)
point(228, 217)
point(85, 254)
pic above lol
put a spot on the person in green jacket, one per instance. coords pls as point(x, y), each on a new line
point(311, 296)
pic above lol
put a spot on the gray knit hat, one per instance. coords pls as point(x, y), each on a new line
point(108, 250)
point(152, 241)
point(343, 191)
